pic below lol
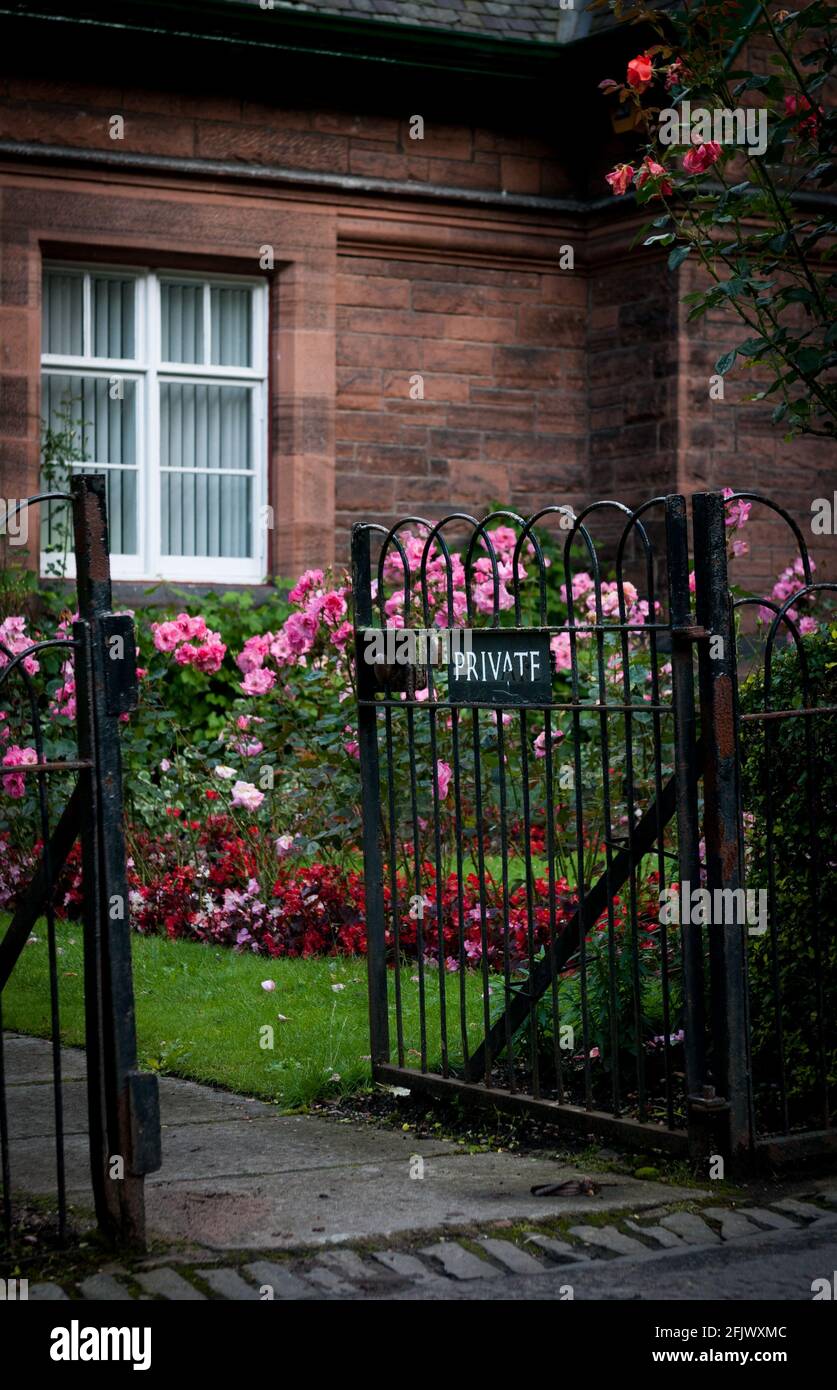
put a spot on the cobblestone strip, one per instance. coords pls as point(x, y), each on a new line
point(167, 1283)
point(459, 1263)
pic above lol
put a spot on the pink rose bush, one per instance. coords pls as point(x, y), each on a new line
point(191, 643)
point(246, 831)
point(14, 639)
point(14, 784)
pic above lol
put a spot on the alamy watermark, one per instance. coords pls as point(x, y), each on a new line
point(415, 646)
point(741, 126)
point(701, 907)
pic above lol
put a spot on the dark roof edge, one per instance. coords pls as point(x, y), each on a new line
point(303, 178)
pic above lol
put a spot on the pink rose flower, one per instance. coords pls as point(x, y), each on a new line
point(247, 796)
point(620, 178)
point(701, 157)
point(258, 682)
point(540, 741)
point(15, 784)
point(652, 170)
point(444, 773)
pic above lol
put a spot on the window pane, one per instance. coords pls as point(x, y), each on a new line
point(88, 420)
point(181, 314)
point(113, 317)
point(87, 425)
point(205, 428)
point(206, 514)
point(62, 313)
point(230, 334)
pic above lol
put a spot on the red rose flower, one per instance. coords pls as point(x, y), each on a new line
point(640, 72)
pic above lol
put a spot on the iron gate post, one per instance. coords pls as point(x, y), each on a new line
point(686, 773)
point(124, 1106)
point(373, 869)
point(723, 828)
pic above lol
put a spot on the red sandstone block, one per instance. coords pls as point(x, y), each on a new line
point(19, 465)
point(528, 365)
point(474, 417)
point(153, 135)
point(518, 175)
point(393, 321)
point(188, 105)
point(276, 115)
point(440, 141)
point(422, 413)
point(377, 128)
point(528, 448)
point(367, 350)
point(19, 328)
point(495, 395)
point(457, 357)
point(392, 461)
point(263, 145)
point(383, 292)
point(563, 414)
point(409, 491)
point(446, 298)
point(359, 388)
point(471, 328)
point(417, 436)
point(496, 143)
point(457, 173)
point(555, 180)
point(16, 405)
point(356, 493)
point(608, 418)
point(478, 482)
point(567, 287)
point(437, 386)
point(383, 164)
point(556, 324)
point(365, 427)
point(461, 444)
point(64, 92)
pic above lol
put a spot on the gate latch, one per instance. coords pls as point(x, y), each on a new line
point(119, 661)
point(692, 633)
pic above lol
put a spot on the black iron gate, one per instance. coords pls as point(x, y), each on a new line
point(123, 1117)
point(535, 779)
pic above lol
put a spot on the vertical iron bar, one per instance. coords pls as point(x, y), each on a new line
point(460, 896)
point(371, 797)
point(722, 815)
point(393, 884)
point(504, 870)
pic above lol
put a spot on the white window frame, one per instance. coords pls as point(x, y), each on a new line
point(149, 371)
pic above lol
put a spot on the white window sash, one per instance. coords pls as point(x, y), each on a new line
point(149, 372)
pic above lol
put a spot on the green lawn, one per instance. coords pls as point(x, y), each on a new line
point(201, 1009)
